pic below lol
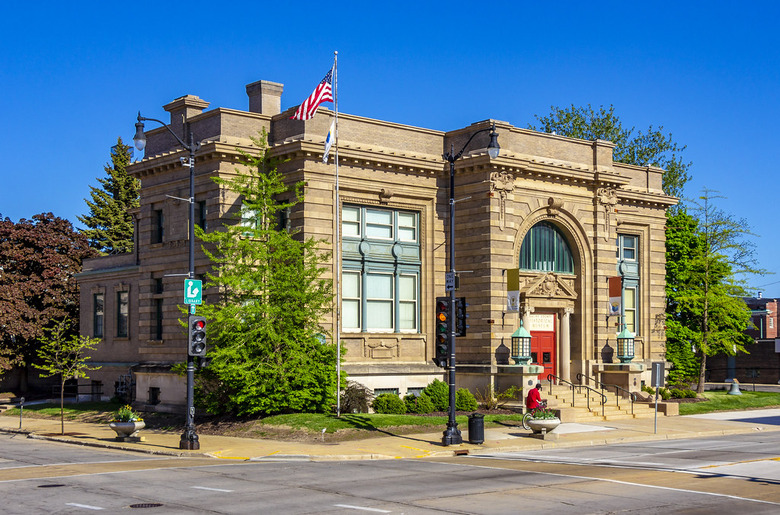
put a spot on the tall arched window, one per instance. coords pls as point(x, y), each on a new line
point(545, 249)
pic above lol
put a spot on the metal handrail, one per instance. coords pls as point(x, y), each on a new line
point(605, 386)
point(550, 378)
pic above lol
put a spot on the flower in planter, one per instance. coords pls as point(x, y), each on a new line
point(126, 414)
point(543, 414)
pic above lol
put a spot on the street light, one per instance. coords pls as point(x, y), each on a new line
point(625, 345)
point(189, 438)
point(521, 345)
point(452, 433)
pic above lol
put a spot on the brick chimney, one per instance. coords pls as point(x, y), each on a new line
point(265, 97)
point(182, 109)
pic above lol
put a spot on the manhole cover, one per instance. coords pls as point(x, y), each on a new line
point(146, 505)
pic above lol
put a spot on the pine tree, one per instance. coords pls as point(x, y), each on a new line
point(109, 222)
point(267, 349)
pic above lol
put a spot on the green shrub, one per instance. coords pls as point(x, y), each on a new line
point(389, 403)
point(465, 400)
point(421, 404)
point(676, 393)
point(648, 389)
point(491, 398)
point(689, 394)
point(439, 393)
point(355, 398)
point(665, 394)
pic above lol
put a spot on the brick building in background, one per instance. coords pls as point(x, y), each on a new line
point(557, 208)
point(762, 364)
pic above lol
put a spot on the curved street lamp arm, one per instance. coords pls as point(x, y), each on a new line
point(449, 157)
point(181, 142)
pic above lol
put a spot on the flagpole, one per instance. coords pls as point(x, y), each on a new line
point(338, 235)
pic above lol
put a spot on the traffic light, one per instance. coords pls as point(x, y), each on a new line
point(443, 329)
point(197, 345)
point(461, 316)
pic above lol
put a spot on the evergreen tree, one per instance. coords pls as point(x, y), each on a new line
point(109, 222)
point(266, 347)
point(651, 148)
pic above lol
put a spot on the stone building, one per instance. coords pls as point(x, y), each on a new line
point(556, 208)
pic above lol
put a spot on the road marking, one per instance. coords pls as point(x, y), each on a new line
point(641, 485)
point(211, 489)
point(85, 506)
point(363, 508)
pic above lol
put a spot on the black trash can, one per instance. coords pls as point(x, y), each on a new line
point(476, 428)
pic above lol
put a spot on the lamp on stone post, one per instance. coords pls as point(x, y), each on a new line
point(521, 346)
point(625, 345)
point(189, 438)
point(452, 434)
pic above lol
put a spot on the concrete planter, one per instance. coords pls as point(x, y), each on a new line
point(126, 429)
point(543, 425)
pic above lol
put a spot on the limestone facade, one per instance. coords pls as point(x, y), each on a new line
point(394, 172)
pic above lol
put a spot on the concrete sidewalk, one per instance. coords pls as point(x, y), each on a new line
point(389, 446)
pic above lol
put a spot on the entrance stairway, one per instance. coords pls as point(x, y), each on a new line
point(587, 405)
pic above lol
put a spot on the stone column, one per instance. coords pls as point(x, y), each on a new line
point(565, 354)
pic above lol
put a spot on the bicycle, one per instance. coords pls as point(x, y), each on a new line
point(530, 414)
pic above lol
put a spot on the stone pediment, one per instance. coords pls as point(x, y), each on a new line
point(549, 286)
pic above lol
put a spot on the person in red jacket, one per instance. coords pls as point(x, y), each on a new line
point(534, 399)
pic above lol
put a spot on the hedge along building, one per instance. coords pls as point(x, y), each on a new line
point(557, 208)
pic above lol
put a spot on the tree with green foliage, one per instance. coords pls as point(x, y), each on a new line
point(651, 148)
point(65, 356)
point(110, 222)
point(705, 293)
point(267, 348)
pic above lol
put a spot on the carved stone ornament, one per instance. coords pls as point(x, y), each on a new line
point(385, 195)
point(553, 206)
point(607, 197)
point(381, 349)
point(502, 183)
point(549, 286)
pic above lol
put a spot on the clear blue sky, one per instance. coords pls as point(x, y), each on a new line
point(74, 74)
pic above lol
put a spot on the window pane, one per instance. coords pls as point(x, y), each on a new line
point(407, 287)
point(407, 226)
point(350, 314)
point(350, 285)
point(379, 286)
point(121, 314)
point(350, 225)
point(379, 217)
point(379, 315)
point(379, 224)
point(630, 298)
point(407, 315)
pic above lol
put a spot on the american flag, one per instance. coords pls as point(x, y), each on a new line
point(322, 93)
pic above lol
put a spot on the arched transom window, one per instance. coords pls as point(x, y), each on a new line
point(545, 249)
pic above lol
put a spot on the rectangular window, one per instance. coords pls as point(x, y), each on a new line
point(350, 301)
point(98, 306)
point(630, 308)
point(381, 277)
point(158, 319)
point(771, 323)
point(202, 212)
point(380, 391)
point(122, 299)
point(627, 247)
point(158, 225)
point(379, 302)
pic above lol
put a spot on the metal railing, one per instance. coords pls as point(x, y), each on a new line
point(604, 386)
point(550, 378)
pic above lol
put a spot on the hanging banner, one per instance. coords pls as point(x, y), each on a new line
point(615, 296)
point(513, 290)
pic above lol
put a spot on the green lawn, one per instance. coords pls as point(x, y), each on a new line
point(721, 401)
point(314, 422)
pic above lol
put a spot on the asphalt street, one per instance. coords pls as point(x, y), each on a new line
point(694, 475)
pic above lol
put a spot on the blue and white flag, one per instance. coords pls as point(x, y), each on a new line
point(329, 141)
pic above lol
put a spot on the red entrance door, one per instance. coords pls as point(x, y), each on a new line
point(543, 351)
